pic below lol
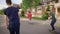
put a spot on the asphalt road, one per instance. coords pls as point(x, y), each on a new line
point(33, 27)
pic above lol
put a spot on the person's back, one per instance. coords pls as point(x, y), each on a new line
point(12, 14)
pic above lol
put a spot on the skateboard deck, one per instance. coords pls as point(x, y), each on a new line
point(52, 32)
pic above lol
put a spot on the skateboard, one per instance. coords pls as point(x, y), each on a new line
point(52, 32)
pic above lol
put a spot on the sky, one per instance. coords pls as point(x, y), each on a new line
point(3, 3)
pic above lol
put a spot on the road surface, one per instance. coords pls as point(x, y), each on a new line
point(35, 27)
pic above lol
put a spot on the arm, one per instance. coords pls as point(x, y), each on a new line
point(49, 17)
point(19, 14)
point(6, 21)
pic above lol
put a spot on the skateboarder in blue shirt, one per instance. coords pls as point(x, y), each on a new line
point(12, 13)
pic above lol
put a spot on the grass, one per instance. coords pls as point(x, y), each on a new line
point(35, 18)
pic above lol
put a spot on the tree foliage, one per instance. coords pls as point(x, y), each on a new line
point(36, 2)
point(2, 12)
point(48, 8)
point(26, 4)
point(55, 1)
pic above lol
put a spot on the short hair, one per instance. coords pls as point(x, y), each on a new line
point(29, 11)
point(8, 2)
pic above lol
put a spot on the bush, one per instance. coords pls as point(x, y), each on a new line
point(22, 13)
point(2, 12)
point(48, 8)
point(45, 16)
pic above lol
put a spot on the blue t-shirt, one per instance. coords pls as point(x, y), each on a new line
point(12, 14)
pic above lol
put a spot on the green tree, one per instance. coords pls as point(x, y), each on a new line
point(26, 4)
point(48, 8)
point(29, 3)
point(56, 1)
point(35, 4)
point(2, 12)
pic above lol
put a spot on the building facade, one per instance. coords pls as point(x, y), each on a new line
point(57, 9)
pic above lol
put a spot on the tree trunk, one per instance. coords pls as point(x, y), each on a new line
point(35, 10)
point(43, 10)
point(31, 9)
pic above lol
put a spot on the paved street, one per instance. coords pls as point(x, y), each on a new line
point(35, 27)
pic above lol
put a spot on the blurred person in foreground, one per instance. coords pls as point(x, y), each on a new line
point(11, 18)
